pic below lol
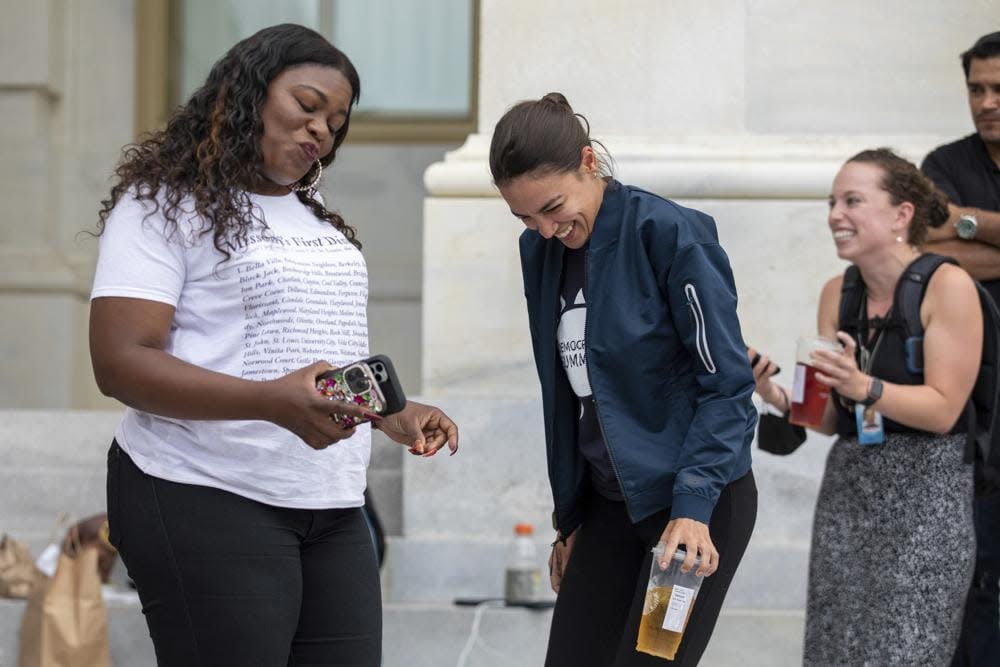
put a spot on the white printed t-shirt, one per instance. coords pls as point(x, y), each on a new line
point(288, 296)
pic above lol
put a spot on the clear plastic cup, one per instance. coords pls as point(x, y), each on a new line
point(670, 597)
point(809, 395)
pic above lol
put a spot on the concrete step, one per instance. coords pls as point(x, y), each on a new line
point(772, 575)
point(127, 633)
point(431, 635)
point(53, 462)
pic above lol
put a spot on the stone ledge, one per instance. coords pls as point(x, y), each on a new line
point(45, 269)
point(717, 167)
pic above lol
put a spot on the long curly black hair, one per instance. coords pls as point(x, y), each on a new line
point(209, 149)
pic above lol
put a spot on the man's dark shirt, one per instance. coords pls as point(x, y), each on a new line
point(964, 171)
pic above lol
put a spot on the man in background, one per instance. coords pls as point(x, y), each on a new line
point(968, 172)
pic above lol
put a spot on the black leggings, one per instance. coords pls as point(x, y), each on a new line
point(596, 619)
point(225, 580)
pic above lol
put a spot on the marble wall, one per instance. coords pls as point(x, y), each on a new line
point(742, 108)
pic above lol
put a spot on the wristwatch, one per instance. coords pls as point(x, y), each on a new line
point(874, 392)
point(966, 227)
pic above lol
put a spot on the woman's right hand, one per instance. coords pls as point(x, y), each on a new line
point(559, 559)
point(293, 403)
point(770, 391)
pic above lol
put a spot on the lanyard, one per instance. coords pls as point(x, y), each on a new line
point(867, 359)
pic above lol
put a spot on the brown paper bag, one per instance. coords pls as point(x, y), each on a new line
point(65, 622)
point(17, 569)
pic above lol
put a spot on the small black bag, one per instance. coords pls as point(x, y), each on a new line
point(777, 435)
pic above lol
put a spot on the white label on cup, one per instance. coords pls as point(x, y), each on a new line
point(799, 384)
point(49, 559)
point(680, 599)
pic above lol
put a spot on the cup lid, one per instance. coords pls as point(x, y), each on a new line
point(817, 342)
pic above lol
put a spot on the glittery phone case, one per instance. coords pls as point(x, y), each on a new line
point(354, 383)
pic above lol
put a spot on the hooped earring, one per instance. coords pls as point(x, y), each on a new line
point(311, 185)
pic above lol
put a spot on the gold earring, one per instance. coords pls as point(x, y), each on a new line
point(295, 187)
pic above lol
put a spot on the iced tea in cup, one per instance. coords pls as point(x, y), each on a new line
point(809, 395)
point(670, 597)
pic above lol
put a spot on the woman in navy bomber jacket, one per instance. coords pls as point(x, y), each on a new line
point(645, 386)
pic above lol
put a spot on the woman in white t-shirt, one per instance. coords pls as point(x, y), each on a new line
point(224, 287)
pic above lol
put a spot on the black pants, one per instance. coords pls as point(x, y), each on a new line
point(979, 643)
point(225, 580)
point(596, 619)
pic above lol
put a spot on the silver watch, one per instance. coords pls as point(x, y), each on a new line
point(966, 227)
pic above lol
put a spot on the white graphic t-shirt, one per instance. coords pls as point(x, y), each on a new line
point(571, 335)
point(288, 296)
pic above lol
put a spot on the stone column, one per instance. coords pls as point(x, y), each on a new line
point(742, 108)
point(66, 100)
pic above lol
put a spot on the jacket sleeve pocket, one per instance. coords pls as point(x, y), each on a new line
point(699, 324)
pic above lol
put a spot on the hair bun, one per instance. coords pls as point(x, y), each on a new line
point(559, 100)
point(937, 206)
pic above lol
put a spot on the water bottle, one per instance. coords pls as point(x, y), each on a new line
point(523, 576)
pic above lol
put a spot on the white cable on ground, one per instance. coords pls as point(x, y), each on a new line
point(474, 631)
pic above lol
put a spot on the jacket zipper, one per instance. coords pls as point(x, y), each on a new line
point(557, 510)
point(700, 333)
point(593, 392)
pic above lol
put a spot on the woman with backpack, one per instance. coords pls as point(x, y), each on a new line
point(893, 541)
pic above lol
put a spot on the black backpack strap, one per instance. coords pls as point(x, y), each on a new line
point(910, 292)
point(851, 292)
point(909, 296)
point(986, 394)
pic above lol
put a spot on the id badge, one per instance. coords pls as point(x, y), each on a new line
point(869, 422)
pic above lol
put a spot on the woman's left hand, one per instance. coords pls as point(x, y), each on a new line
point(424, 428)
point(696, 540)
point(840, 370)
point(86, 533)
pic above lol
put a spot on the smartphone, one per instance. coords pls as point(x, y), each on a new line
point(756, 358)
point(370, 383)
point(388, 382)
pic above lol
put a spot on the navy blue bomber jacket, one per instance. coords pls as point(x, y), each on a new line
point(666, 360)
